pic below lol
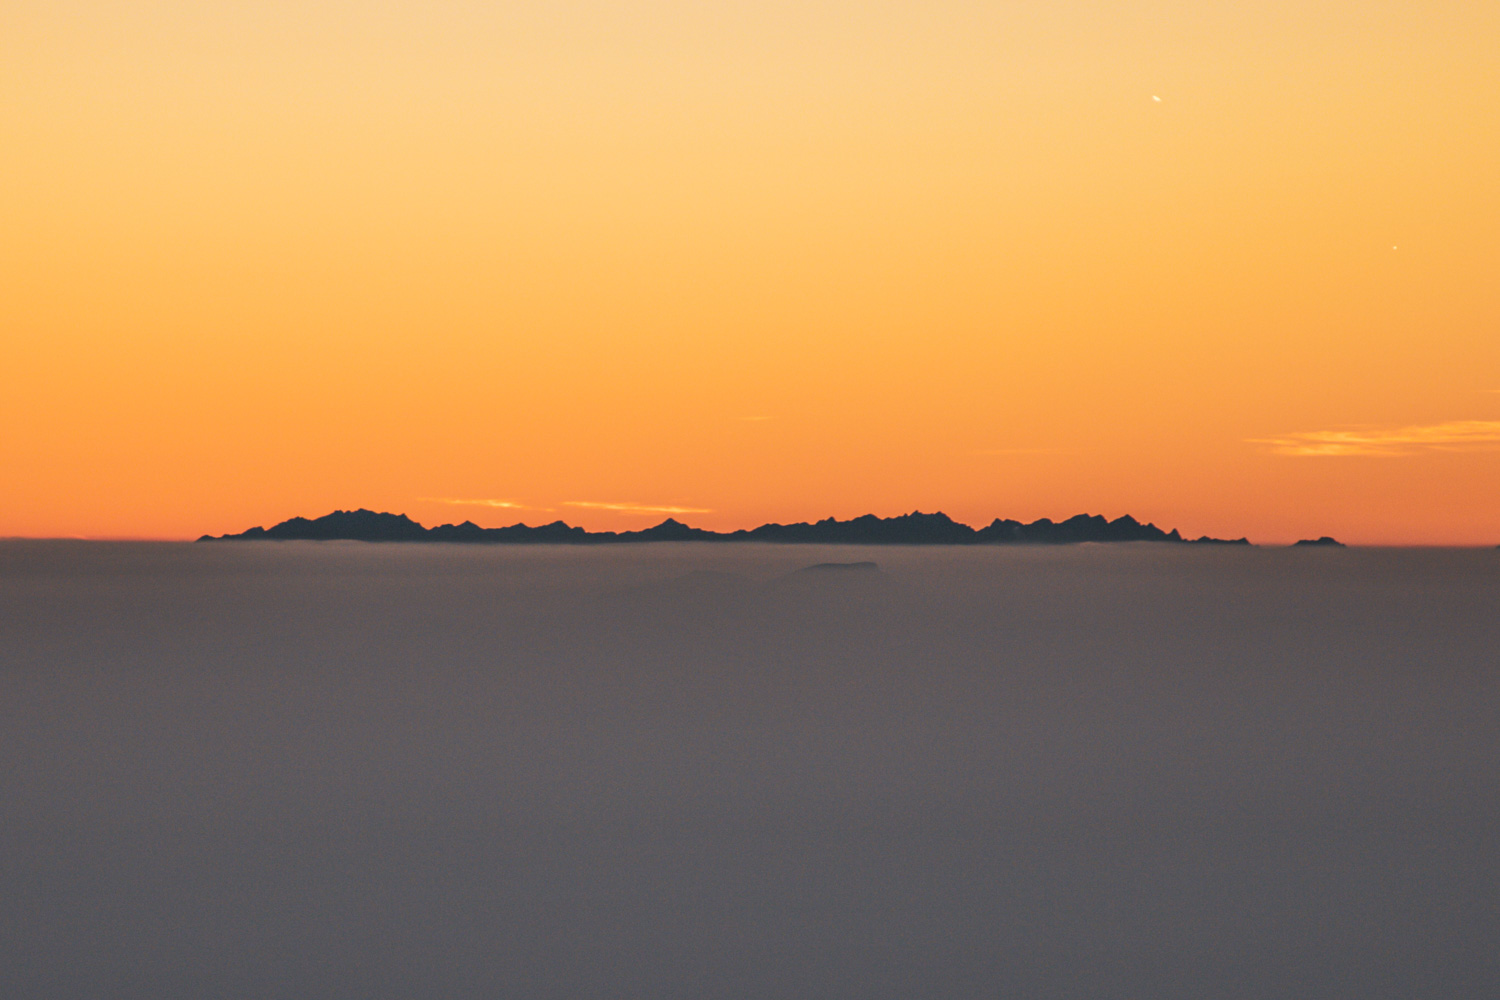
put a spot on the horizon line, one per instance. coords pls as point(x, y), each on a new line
point(729, 533)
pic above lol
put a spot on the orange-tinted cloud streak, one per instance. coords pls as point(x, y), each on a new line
point(1453, 435)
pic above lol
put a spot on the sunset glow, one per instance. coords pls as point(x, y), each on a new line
point(1228, 268)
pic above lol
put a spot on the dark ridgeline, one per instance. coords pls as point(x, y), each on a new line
point(906, 529)
point(342, 525)
point(1324, 542)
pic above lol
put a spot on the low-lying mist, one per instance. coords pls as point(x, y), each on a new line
point(682, 771)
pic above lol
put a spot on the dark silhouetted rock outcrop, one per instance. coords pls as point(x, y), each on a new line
point(842, 567)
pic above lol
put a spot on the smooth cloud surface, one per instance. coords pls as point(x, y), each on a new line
point(360, 772)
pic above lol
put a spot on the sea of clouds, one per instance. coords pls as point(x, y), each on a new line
point(678, 771)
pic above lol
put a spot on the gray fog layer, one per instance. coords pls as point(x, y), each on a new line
point(349, 771)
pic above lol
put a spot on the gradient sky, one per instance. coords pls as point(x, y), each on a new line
point(1229, 267)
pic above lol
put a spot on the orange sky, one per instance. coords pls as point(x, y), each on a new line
point(756, 260)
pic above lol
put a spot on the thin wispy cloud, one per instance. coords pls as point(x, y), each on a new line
point(1454, 435)
point(502, 504)
point(635, 508)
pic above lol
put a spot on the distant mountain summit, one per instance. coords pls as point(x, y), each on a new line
point(351, 525)
point(1324, 542)
point(915, 528)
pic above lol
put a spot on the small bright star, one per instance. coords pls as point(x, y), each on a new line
point(1156, 99)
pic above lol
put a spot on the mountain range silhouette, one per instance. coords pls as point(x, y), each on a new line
point(906, 529)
